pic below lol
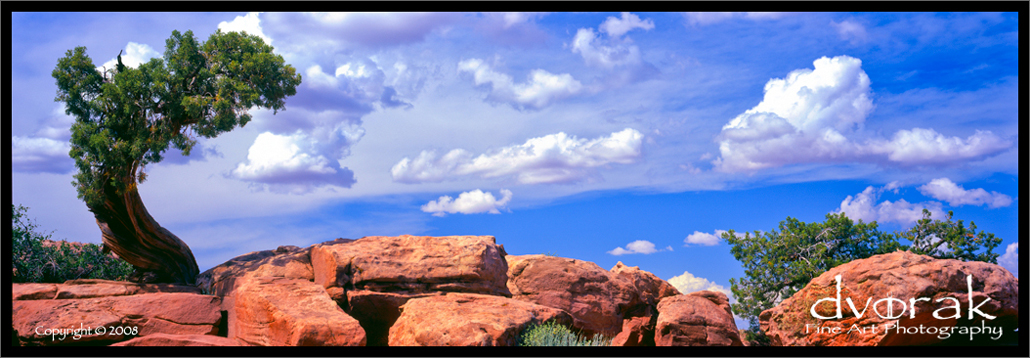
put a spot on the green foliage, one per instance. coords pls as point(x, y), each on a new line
point(552, 334)
point(127, 117)
point(951, 240)
point(37, 259)
point(780, 262)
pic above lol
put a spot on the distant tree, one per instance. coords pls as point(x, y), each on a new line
point(778, 263)
point(126, 118)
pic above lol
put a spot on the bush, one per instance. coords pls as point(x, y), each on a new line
point(552, 334)
point(37, 258)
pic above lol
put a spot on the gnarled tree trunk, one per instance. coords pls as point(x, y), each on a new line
point(130, 231)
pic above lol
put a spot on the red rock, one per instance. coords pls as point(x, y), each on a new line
point(377, 274)
point(594, 297)
point(143, 314)
point(649, 288)
point(33, 291)
point(177, 340)
point(279, 311)
point(415, 264)
point(905, 276)
point(696, 319)
point(636, 331)
point(285, 261)
point(460, 319)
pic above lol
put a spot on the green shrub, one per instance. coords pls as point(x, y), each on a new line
point(552, 334)
point(36, 258)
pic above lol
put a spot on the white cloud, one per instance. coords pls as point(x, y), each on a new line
point(704, 238)
point(135, 54)
point(1010, 259)
point(810, 115)
point(598, 54)
point(863, 207)
point(638, 247)
point(31, 155)
point(249, 23)
point(920, 146)
point(539, 90)
point(472, 202)
point(708, 18)
point(687, 283)
point(285, 163)
point(851, 31)
point(554, 158)
point(955, 195)
point(617, 27)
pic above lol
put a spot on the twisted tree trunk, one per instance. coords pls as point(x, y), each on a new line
point(129, 230)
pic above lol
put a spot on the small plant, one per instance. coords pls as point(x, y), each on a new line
point(551, 334)
point(551, 253)
point(36, 258)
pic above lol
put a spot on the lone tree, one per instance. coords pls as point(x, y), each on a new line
point(778, 263)
point(126, 118)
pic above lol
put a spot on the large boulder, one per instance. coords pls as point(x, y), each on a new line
point(123, 310)
point(270, 299)
point(462, 319)
point(599, 300)
point(700, 318)
point(279, 311)
point(636, 331)
point(373, 276)
point(883, 289)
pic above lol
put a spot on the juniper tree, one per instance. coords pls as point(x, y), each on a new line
point(126, 118)
point(778, 263)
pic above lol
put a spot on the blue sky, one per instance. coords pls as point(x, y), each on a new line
point(605, 137)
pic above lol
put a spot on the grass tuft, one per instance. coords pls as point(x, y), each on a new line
point(551, 334)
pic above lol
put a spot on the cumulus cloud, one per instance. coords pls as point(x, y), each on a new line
point(638, 247)
point(814, 115)
point(608, 55)
point(554, 158)
point(32, 155)
point(249, 23)
point(708, 18)
point(285, 163)
point(540, 89)
point(471, 202)
point(956, 195)
point(687, 283)
point(1010, 259)
point(863, 206)
point(135, 54)
point(617, 27)
point(704, 238)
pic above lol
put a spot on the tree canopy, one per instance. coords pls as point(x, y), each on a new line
point(778, 263)
point(126, 118)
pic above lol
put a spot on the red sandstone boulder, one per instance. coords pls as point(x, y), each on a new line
point(636, 331)
point(122, 317)
point(598, 300)
point(378, 274)
point(33, 291)
point(905, 276)
point(592, 295)
point(285, 261)
point(177, 340)
point(700, 318)
point(649, 288)
point(279, 311)
point(461, 319)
